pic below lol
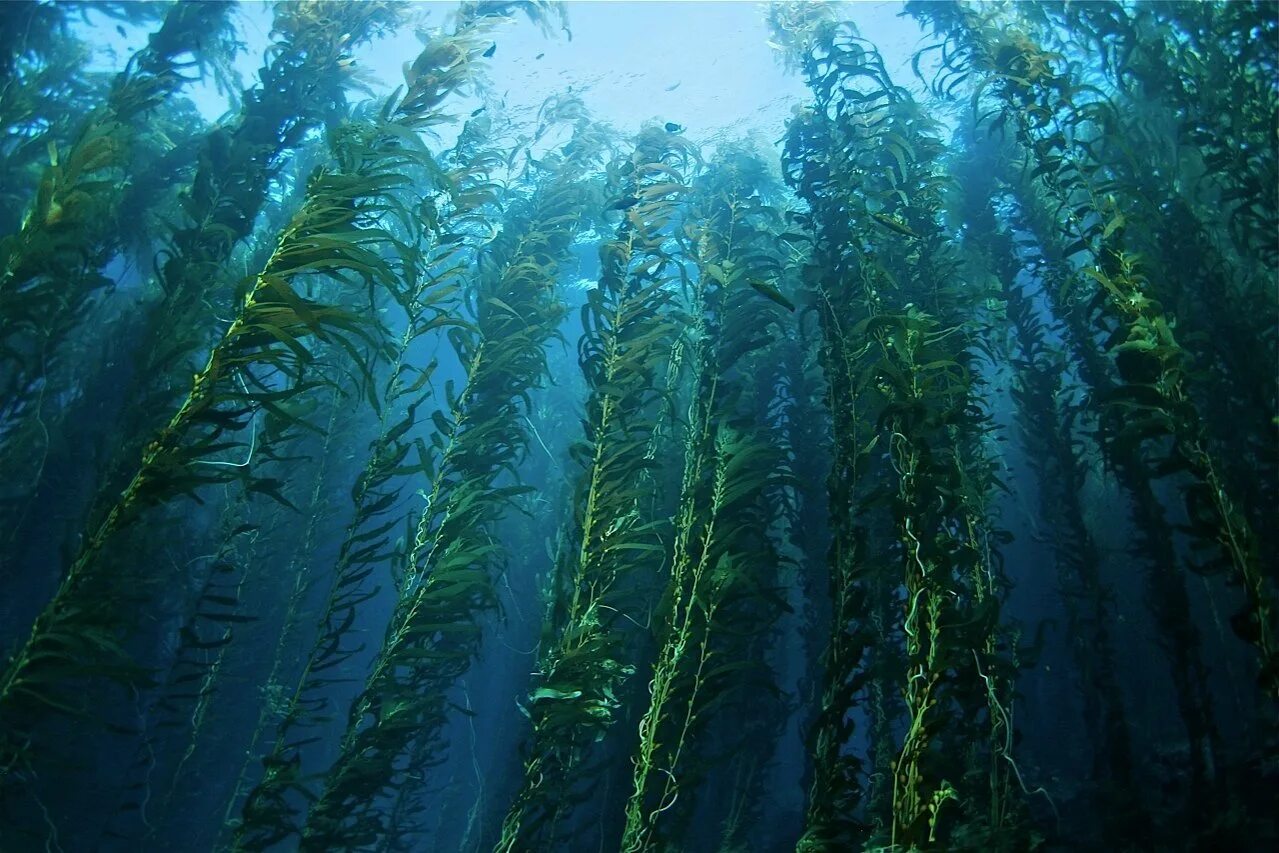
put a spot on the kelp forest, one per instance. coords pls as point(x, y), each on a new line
point(399, 465)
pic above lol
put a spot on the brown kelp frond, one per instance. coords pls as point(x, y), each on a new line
point(901, 383)
point(303, 86)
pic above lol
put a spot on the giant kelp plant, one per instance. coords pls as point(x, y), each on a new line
point(422, 471)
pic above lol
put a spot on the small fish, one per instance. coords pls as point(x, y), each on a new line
point(673, 86)
point(492, 50)
point(477, 112)
point(624, 203)
point(119, 28)
point(766, 289)
point(346, 61)
point(539, 56)
point(672, 127)
point(893, 225)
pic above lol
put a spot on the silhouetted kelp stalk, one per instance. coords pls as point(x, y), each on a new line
point(178, 701)
point(366, 546)
point(71, 221)
point(261, 363)
point(1185, 199)
point(51, 268)
point(813, 163)
point(204, 664)
point(726, 471)
point(189, 686)
point(515, 308)
point(800, 424)
point(301, 577)
point(303, 83)
point(1151, 427)
point(304, 577)
point(1049, 416)
point(1151, 404)
point(629, 328)
point(961, 295)
point(993, 773)
point(711, 661)
point(303, 86)
point(908, 342)
point(730, 772)
point(1153, 534)
point(792, 382)
point(1062, 473)
point(67, 419)
point(45, 93)
point(1213, 63)
point(214, 632)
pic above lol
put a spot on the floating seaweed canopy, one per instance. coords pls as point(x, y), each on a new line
point(423, 468)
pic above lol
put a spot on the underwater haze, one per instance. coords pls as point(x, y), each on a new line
point(626, 426)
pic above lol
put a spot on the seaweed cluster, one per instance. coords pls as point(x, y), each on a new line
point(941, 433)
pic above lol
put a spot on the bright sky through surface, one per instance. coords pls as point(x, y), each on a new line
point(705, 65)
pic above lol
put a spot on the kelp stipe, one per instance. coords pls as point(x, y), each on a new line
point(1152, 396)
point(629, 327)
point(268, 335)
point(1051, 421)
point(44, 99)
point(1149, 400)
point(445, 65)
point(836, 790)
point(303, 86)
point(716, 542)
point(865, 145)
point(451, 568)
point(1212, 285)
point(51, 268)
